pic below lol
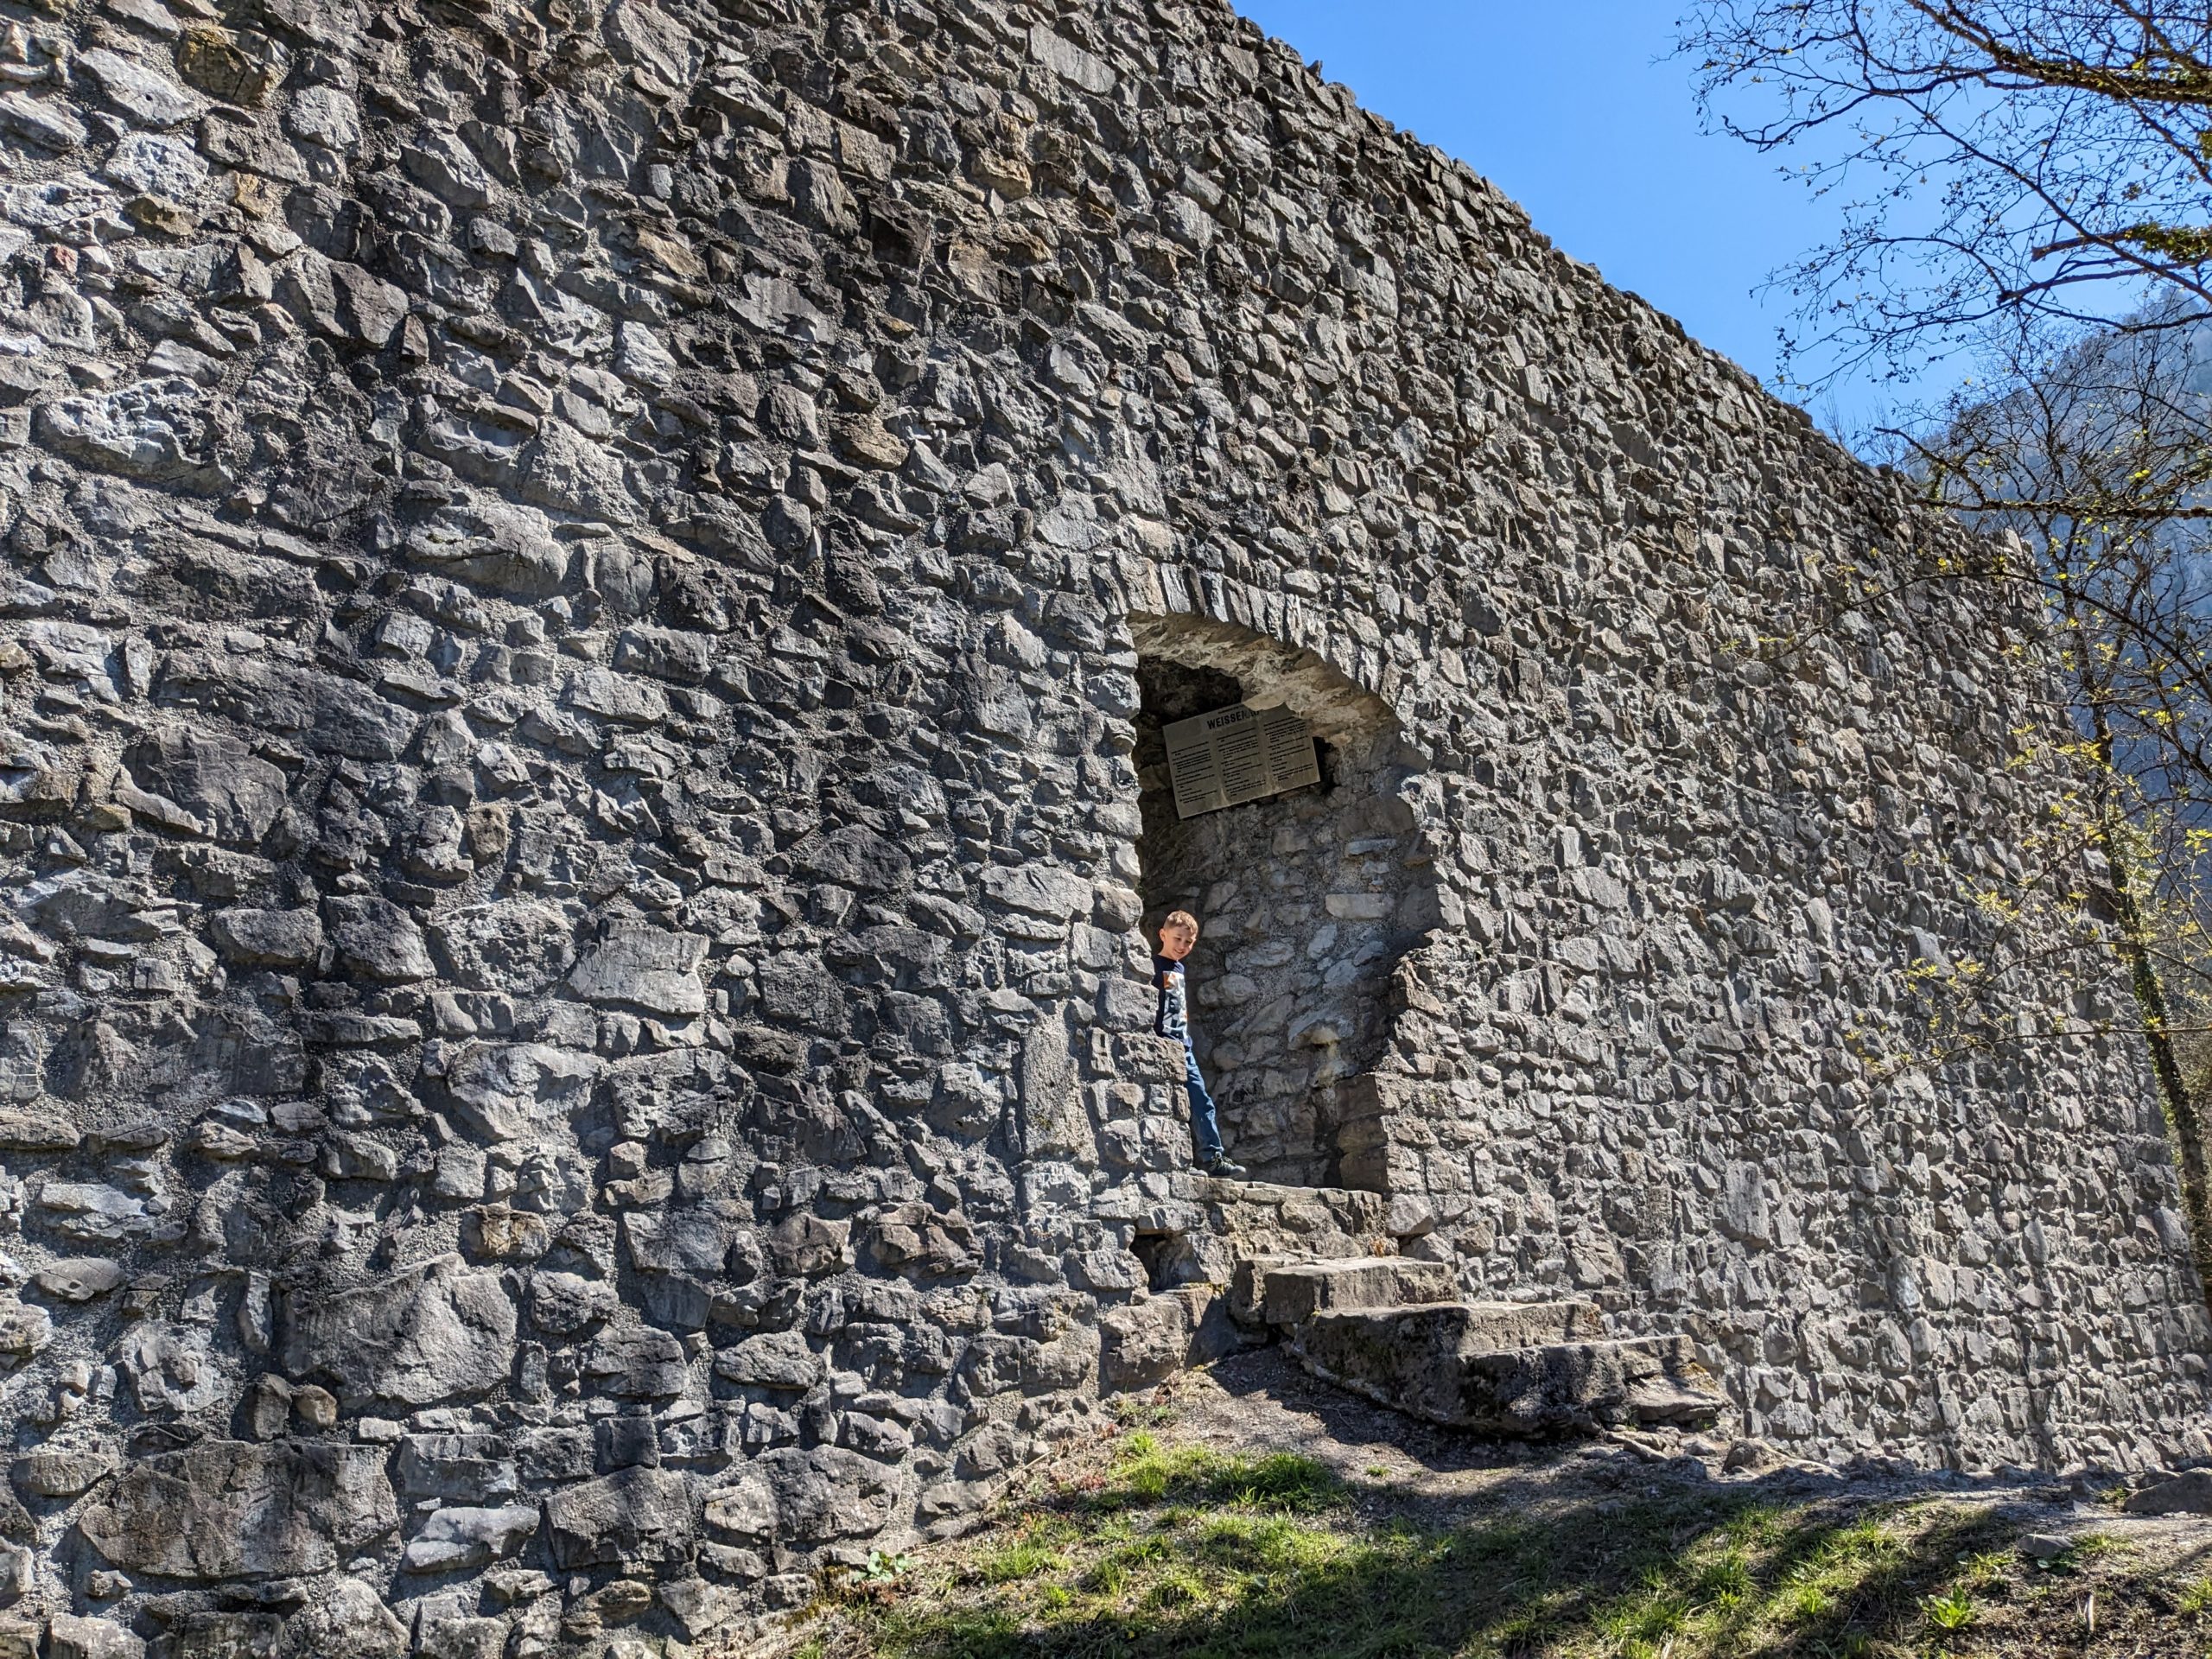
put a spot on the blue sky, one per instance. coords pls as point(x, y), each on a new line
point(1576, 109)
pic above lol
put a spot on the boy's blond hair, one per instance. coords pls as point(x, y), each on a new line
point(1180, 921)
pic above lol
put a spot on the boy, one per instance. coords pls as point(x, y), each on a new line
point(1178, 934)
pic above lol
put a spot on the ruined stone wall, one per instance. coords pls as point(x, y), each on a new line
point(574, 1043)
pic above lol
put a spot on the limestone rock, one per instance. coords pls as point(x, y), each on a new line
point(1507, 1369)
point(693, 1238)
point(471, 1471)
point(643, 33)
point(436, 1331)
point(505, 1091)
point(633, 1518)
point(1039, 891)
point(140, 91)
point(170, 1368)
point(504, 546)
point(274, 938)
point(914, 1237)
point(378, 940)
point(2184, 1494)
point(22, 1132)
point(1069, 61)
point(1287, 1293)
point(779, 1360)
point(23, 1331)
point(93, 1211)
point(644, 1364)
point(644, 967)
point(216, 779)
point(329, 116)
point(78, 1278)
point(806, 1496)
point(564, 1304)
point(234, 1635)
point(1149, 1340)
point(68, 1637)
point(453, 1539)
point(499, 1232)
point(229, 1508)
point(517, 946)
point(349, 1622)
point(56, 1472)
point(342, 302)
point(41, 121)
point(866, 440)
point(237, 68)
point(443, 164)
point(152, 164)
point(807, 1244)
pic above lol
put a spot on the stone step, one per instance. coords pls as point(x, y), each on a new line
point(1279, 1291)
point(1442, 1328)
point(1513, 1369)
point(1192, 1227)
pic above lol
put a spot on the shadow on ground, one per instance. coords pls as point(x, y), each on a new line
point(1182, 1549)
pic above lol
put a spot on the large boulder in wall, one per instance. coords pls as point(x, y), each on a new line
point(234, 1508)
point(438, 1330)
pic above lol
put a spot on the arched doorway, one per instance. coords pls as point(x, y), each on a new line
point(1308, 899)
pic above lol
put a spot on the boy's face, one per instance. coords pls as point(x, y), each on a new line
point(1175, 942)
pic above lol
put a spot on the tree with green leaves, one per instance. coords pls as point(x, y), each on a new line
point(2026, 192)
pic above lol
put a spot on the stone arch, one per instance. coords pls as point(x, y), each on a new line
point(1309, 900)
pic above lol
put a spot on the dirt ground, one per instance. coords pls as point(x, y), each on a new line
point(1248, 1509)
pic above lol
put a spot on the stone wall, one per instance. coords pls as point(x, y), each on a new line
point(576, 1041)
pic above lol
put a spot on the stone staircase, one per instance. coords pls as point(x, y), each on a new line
point(1396, 1330)
point(1321, 1268)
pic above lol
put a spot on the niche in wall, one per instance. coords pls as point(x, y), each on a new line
point(1306, 900)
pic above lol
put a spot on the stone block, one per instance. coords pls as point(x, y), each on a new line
point(805, 1498)
point(644, 967)
point(454, 1539)
point(435, 1331)
point(237, 68)
point(467, 1469)
point(230, 1508)
point(632, 1518)
point(219, 1635)
point(68, 1637)
point(59, 1471)
point(1294, 1291)
point(347, 1621)
point(641, 1364)
point(781, 1360)
point(2185, 1494)
point(268, 938)
point(1508, 1369)
point(1149, 1340)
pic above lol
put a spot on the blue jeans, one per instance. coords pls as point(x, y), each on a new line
point(1201, 1107)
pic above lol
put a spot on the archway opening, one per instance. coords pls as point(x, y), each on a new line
point(1306, 898)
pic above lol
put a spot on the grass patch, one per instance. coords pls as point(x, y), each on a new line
point(1025, 1560)
point(1146, 1474)
point(1186, 1552)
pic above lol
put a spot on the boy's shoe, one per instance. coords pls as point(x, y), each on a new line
point(1222, 1169)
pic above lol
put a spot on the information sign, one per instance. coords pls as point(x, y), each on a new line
point(1239, 754)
